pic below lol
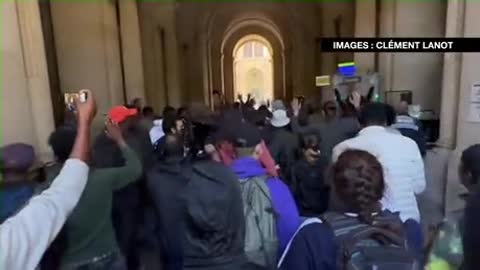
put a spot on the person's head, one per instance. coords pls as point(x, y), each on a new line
point(169, 112)
point(148, 112)
point(402, 107)
point(359, 183)
point(264, 115)
point(137, 103)
point(278, 105)
point(263, 108)
point(123, 116)
point(309, 144)
point(246, 141)
point(469, 169)
point(330, 109)
point(251, 102)
point(280, 119)
point(236, 105)
point(173, 147)
point(182, 112)
point(373, 114)
point(61, 141)
point(391, 114)
point(15, 162)
point(173, 125)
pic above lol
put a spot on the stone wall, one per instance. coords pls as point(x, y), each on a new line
point(88, 51)
point(16, 115)
point(161, 72)
point(419, 72)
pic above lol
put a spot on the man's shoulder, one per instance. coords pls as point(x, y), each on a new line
point(314, 229)
point(346, 144)
point(402, 141)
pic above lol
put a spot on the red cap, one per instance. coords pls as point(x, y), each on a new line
point(118, 114)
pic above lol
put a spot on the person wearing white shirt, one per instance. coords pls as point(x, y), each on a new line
point(156, 132)
point(401, 160)
point(26, 236)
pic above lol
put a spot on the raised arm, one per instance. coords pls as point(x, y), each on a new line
point(132, 169)
point(25, 237)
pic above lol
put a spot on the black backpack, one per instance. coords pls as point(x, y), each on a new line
point(364, 247)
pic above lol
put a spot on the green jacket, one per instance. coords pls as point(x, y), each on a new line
point(89, 229)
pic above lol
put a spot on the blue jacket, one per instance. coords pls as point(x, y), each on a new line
point(288, 219)
point(314, 246)
point(12, 199)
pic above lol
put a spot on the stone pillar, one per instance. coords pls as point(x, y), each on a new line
point(131, 49)
point(387, 29)
point(365, 25)
point(451, 77)
point(36, 73)
point(110, 34)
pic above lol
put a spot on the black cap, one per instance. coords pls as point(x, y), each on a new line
point(246, 135)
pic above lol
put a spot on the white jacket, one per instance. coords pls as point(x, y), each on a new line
point(26, 236)
point(402, 165)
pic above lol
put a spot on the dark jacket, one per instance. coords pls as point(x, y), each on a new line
point(214, 225)
point(309, 187)
point(471, 234)
point(283, 147)
point(418, 137)
point(165, 183)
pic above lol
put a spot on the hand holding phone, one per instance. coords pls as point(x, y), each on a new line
point(70, 99)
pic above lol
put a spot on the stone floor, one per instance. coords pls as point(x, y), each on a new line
point(441, 197)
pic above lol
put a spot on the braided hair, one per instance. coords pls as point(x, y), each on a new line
point(359, 183)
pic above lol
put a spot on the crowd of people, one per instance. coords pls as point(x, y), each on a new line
point(278, 186)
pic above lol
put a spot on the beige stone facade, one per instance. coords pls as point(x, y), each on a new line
point(176, 52)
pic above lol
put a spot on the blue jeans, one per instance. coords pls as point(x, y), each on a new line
point(415, 238)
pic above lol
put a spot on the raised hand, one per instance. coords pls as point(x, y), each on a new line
point(87, 108)
point(114, 132)
point(355, 99)
point(296, 106)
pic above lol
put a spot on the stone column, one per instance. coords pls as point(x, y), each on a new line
point(365, 24)
point(451, 77)
point(36, 73)
point(387, 29)
point(131, 49)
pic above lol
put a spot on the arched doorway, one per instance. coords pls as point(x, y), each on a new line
point(253, 68)
point(239, 32)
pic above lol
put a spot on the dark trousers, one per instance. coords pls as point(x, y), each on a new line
point(126, 214)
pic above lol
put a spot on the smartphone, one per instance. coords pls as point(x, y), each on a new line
point(301, 99)
point(70, 99)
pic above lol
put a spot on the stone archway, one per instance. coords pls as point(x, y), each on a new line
point(253, 68)
point(271, 35)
